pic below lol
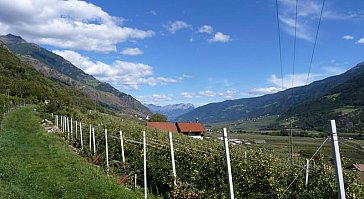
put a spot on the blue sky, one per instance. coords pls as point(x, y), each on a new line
point(166, 52)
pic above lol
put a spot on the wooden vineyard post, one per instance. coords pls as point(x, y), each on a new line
point(172, 158)
point(227, 153)
point(122, 146)
point(336, 151)
point(94, 140)
point(145, 165)
point(81, 135)
point(107, 152)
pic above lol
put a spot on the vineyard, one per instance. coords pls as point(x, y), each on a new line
point(200, 164)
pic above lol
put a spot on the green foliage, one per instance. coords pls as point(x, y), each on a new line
point(201, 165)
point(157, 117)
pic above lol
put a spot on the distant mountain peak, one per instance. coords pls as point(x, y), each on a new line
point(172, 110)
point(12, 39)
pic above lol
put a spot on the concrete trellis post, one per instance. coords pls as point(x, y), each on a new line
point(90, 138)
point(227, 153)
point(107, 151)
point(81, 135)
point(94, 140)
point(68, 129)
point(338, 168)
point(307, 170)
point(76, 128)
point(145, 165)
point(172, 158)
point(71, 128)
point(122, 146)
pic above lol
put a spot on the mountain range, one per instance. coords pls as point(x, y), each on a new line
point(172, 110)
point(304, 103)
point(57, 68)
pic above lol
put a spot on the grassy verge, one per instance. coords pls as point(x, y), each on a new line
point(35, 164)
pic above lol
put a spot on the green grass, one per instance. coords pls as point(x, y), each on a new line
point(36, 164)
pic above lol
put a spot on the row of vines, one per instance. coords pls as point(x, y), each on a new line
point(201, 165)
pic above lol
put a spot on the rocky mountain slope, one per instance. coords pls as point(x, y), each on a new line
point(56, 67)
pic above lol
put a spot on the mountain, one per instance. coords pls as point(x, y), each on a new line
point(56, 67)
point(171, 111)
point(344, 103)
point(272, 104)
point(23, 84)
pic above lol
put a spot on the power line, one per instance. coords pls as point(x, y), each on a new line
point(314, 46)
point(304, 167)
point(294, 47)
point(279, 42)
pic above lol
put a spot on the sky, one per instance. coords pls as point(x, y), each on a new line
point(199, 52)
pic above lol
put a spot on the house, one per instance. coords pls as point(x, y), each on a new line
point(192, 129)
point(195, 130)
point(359, 168)
point(163, 126)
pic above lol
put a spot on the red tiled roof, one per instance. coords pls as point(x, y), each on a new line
point(359, 167)
point(164, 126)
point(185, 127)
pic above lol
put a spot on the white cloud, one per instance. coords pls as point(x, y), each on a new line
point(276, 82)
point(360, 41)
point(264, 91)
point(220, 37)
point(207, 93)
point(228, 94)
point(206, 29)
point(348, 37)
point(298, 80)
point(175, 26)
point(127, 75)
point(187, 95)
point(154, 99)
point(333, 70)
point(131, 51)
point(66, 24)
point(308, 13)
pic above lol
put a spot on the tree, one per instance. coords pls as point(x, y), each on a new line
point(157, 117)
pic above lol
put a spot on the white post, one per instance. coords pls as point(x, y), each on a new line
point(107, 151)
point(145, 165)
point(90, 138)
point(81, 135)
point(76, 128)
point(56, 122)
point(68, 129)
point(230, 178)
point(339, 174)
point(94, 140)
point(307, 165)
point(122, 145)
point(61, 123)
point(172, 158)
point(71, 128)
point(68, 124)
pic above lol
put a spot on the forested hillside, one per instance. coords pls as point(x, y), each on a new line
point(56, 67)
